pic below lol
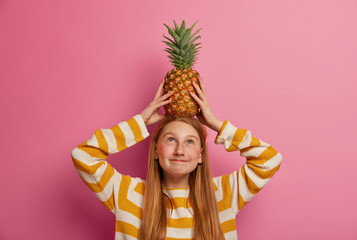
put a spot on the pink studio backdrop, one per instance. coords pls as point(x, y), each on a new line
point(286, 70)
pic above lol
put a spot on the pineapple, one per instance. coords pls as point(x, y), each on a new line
point(182, 51)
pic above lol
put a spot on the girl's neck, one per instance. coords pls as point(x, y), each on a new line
point(171, 182)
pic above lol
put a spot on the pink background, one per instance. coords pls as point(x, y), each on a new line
point(286, 70)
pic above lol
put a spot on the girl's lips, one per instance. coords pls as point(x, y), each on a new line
point(178, 160)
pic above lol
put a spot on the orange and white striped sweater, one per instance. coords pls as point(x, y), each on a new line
point(123, 195)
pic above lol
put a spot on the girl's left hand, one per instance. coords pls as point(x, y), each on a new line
point(151, 114)
point(205, 115)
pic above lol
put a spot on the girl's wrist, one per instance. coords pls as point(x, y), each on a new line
point(216, 125)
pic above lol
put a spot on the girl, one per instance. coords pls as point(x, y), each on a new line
point(179, 199)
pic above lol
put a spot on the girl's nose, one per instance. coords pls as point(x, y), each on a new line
point(179, 151)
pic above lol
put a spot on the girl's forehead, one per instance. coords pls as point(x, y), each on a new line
point(179, 128)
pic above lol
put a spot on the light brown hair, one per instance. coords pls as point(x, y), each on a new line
point(201, 196)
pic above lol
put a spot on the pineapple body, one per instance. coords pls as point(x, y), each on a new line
point(179, 81)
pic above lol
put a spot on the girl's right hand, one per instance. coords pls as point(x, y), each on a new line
point(151, 114)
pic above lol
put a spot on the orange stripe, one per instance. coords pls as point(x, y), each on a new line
point(140, 188)
point(126, 228)
point(180, 223)
point(87, 168)
point(99, 186)
point(180, 202)
point(103, 145)
point(251, 185)
point(241, 202)
point(237, 139)
point(110, 202)
point(119, 137)
point(225, 202)
point(268, 154)
point(92, 151)
point(123, 202)
point(229, 226)
point(135, 128)
point(263, 174)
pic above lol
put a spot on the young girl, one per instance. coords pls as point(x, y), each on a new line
point(179, 199)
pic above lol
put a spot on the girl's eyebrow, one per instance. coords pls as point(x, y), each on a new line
point(189, 136)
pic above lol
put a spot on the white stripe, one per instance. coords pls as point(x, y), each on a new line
point(260, 182)
point(142, 125)
point(127, 217)
point(93, 141)
point(247, 139)
point(133, 196)
point(107, 191)
point(232, 235)
point(234, 188)
point(243, 189)
point(117, 181)
point(128, 133)
point(110, 139)
point(271, 163)
point(176, 193)
point(122, 236)
point(226, 215)
point(82, 156)
point(179, 233)
point(89, 178)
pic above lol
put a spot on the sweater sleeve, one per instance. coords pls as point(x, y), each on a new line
point(89, 158)
point(262, 161)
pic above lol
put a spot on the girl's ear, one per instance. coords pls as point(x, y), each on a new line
point(200, 158)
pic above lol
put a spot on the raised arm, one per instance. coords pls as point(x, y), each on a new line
point(89, 158)
point(262, 160)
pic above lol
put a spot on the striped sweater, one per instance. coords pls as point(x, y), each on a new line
point(123, 195)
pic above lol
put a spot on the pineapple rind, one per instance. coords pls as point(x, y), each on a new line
point(180, 82)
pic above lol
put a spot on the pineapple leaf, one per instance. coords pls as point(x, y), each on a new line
point(193, 40)
point(172, 46)
point(196, 33)
point(169, 39)
point(176, 26)
point(182, 29)
point(173, 34)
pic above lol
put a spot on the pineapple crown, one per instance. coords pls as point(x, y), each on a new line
point(182, 48)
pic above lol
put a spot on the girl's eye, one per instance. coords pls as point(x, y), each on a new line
point(170, 139)
point(190, 142)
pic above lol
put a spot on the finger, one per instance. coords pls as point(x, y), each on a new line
point(159, 104)
point(163, 97)
point(199, 91)
point(158, 93)
point(198, 100)
point(201, 84)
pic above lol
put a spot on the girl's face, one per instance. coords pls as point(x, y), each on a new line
point(179, 150)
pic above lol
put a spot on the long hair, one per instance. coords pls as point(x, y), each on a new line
point(201, 196)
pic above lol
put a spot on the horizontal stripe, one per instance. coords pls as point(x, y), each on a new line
point(180, 223)
point(228, 226)
point(126, 228)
